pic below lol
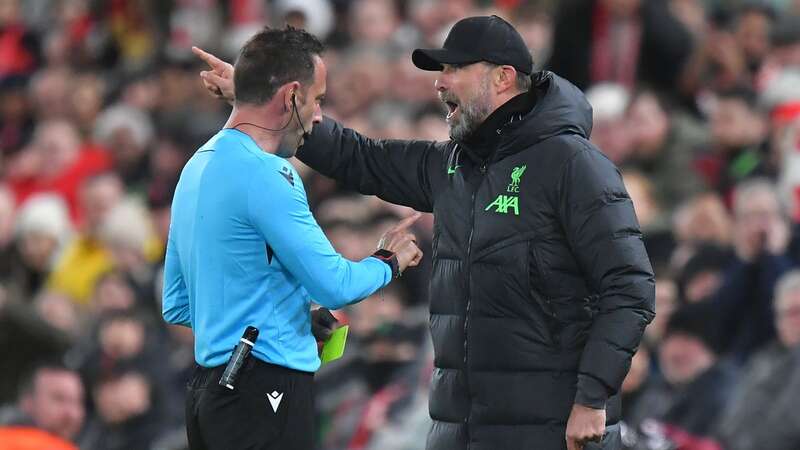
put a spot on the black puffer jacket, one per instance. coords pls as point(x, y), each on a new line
point(541, 287)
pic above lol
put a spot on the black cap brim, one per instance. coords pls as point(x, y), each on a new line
point(433, 58)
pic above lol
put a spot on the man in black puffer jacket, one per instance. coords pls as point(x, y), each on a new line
point(541, 287)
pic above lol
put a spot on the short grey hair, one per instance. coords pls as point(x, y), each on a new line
point(524, 80)
point(787, 284)
point(755, 186)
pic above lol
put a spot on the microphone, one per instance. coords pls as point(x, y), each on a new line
point(240, 354)
point(306, 134)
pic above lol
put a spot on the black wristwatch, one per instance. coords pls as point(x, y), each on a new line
point(390, 259)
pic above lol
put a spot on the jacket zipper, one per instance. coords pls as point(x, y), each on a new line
point(469, 296)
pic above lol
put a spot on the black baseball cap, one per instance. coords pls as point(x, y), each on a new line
point(476, 39)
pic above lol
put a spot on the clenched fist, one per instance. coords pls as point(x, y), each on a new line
point(585, 425)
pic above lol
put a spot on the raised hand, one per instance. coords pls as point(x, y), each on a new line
point(218, 80)
point(402, 243)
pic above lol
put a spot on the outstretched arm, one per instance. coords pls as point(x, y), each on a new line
point(400, 172)
point(280, 213)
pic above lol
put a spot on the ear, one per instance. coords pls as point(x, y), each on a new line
point(505, 78)
point(289, 90)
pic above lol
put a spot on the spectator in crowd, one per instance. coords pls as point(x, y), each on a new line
point(86, 101)
point(126, 132)
point(128, 235)
point(58, 161)
point(738, 133)
point(50, 92)
point(666, 303)
point(126, 417)
point(649, 212)
point(43, 228)
point(744, 299)
point(609, 124)
point(374, 24)
point(780, 100)
point(15, 115)
point(636, 382)
point(700, 220)
point(703, 218)
point(373, 388)
point(789, 180)
point(701, 276)
point(85, 258)
point(717, 62)
point(7, 230)
point(694, 386)
point(21, 46)
point(762, 413)
point(752, 31)
point(51, 399)
point(785, 40)
point(664, 145)
point(621, 41)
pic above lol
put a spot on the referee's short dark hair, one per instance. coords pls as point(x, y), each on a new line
point(272, 58)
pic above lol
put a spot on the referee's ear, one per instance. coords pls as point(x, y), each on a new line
point(288, 94)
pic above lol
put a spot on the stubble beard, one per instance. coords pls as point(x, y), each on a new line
point(472, 114)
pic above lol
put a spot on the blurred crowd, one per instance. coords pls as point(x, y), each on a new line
point(697, 101)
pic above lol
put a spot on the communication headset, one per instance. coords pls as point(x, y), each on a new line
point(306, 134)
point(294, 113)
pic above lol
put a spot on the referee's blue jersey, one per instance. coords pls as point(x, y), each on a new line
point(244, 249)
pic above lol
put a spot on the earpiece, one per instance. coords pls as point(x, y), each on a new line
point(294, 113)
point(306, 134)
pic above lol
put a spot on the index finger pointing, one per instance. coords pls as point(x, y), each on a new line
point(209, 59)
point(407, 222)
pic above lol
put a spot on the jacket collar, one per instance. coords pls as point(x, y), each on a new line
point(552, 107)
point(485, 138)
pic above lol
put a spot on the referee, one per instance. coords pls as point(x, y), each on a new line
point(244, 250)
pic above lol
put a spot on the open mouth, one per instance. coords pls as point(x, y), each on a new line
point(451, 109)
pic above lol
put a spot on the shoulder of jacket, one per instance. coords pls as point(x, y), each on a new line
point(444, 148)
point(560, 149)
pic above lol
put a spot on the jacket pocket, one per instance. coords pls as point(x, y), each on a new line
point(539, 296)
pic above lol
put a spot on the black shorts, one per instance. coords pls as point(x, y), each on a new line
point(272, 407)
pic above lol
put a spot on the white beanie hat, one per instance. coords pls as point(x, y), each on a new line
point(46, 214)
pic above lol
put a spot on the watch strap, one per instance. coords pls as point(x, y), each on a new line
point(390, 259)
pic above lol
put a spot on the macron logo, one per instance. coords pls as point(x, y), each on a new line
point(275, 400)
point(287, 173)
